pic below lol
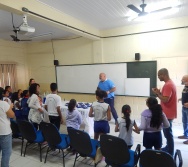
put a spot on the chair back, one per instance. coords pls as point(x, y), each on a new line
point(27, 130)
point(114, 149)
point(80, 141)
point(156, 158)
point(15, 129)
point(50, 133)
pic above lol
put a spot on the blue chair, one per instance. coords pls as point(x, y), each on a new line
point(54, 138)
point(83, 145)
point(31, 135)
point(156, 158)
point(116, 152)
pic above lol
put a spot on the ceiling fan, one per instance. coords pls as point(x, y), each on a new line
point(142, 12)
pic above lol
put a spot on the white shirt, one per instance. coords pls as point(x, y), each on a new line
point(53, 101)
point(4, 120)
point(123, 133)
point(100, 111)
point(7, 100)
point(34, 113)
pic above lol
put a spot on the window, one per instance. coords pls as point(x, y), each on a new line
point(8, 75)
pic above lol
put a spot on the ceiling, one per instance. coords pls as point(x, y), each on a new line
point(101, 14)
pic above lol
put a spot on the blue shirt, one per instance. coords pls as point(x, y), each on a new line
point(106, 86)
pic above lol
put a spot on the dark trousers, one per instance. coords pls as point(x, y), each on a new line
point(169, 139)
point(55, 120)
point(110, 101)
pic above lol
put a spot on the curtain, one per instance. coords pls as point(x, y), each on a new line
point(8, 76)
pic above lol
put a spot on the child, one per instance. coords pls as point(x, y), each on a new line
point(24, 105)
point(6, 97)
point(125, 126)
point(17, 107)
point(101, 113)
point(152, 121)
point(73, 116)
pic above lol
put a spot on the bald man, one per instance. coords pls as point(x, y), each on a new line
point(168, 99)
point(108, 86)
point(184, 99)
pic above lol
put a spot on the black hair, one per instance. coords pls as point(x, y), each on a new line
point(100, 93)
point(6, 87)
point(33, 89)
point(53, 86)
point(24, 93)
point(14, 97)
point(72, 105)
point(126, 109)
point(156, 110)
point(1, 93)
point(30, 81)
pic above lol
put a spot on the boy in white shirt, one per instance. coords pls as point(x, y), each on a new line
point(52, 105)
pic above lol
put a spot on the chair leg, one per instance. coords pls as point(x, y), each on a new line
point(75, 159)
point(46, 154)
point(22, 146)
point(63, 158)
point(25, 148)
point(40, 152)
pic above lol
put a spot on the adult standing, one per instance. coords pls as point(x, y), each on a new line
point(52, 105)
point(107, 85)
point(34, 105)
point(5, 132)
point(184, 100)
point(168, 99)
point(31, 81)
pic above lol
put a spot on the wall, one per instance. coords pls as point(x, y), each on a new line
point(15, 52)
point(168, 47)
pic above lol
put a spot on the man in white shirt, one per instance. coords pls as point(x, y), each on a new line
point(52, 105)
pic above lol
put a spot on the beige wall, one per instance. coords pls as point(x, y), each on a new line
point(15, 52)
point(169, 48)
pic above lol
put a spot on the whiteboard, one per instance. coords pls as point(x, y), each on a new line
point(85, 78)
point(137, 86)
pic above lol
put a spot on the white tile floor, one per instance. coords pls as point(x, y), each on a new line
point(54, 160)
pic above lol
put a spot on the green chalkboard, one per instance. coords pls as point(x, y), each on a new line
point(143, 69)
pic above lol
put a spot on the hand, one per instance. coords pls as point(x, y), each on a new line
point(179, 100)
point(40, 109)
point(185, 105)
point(156, 91)
point(107, 92)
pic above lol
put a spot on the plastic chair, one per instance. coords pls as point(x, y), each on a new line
point(83, 144)
point(54, 138)
point(31, 135)
point(156, 158)
point(116, 152)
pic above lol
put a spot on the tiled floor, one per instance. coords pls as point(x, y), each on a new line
point(54, 160)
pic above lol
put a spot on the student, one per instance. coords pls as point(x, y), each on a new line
point(9, 89)
point(5, 132)
point(152, 121)
point(24, 106)
point(34, 105)
point(17, 106)
point(73, 116)
point(125, 126)
point(6, 97)
point(101, 113)
point(52, 106)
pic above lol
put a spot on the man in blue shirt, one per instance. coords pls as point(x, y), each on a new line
point(108, 86)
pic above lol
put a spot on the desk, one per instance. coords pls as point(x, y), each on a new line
point(87, 121)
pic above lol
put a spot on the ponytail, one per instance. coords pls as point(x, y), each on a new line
point(72, 105)
point(126, 109)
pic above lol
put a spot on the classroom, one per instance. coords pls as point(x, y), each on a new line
point(78, 40)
